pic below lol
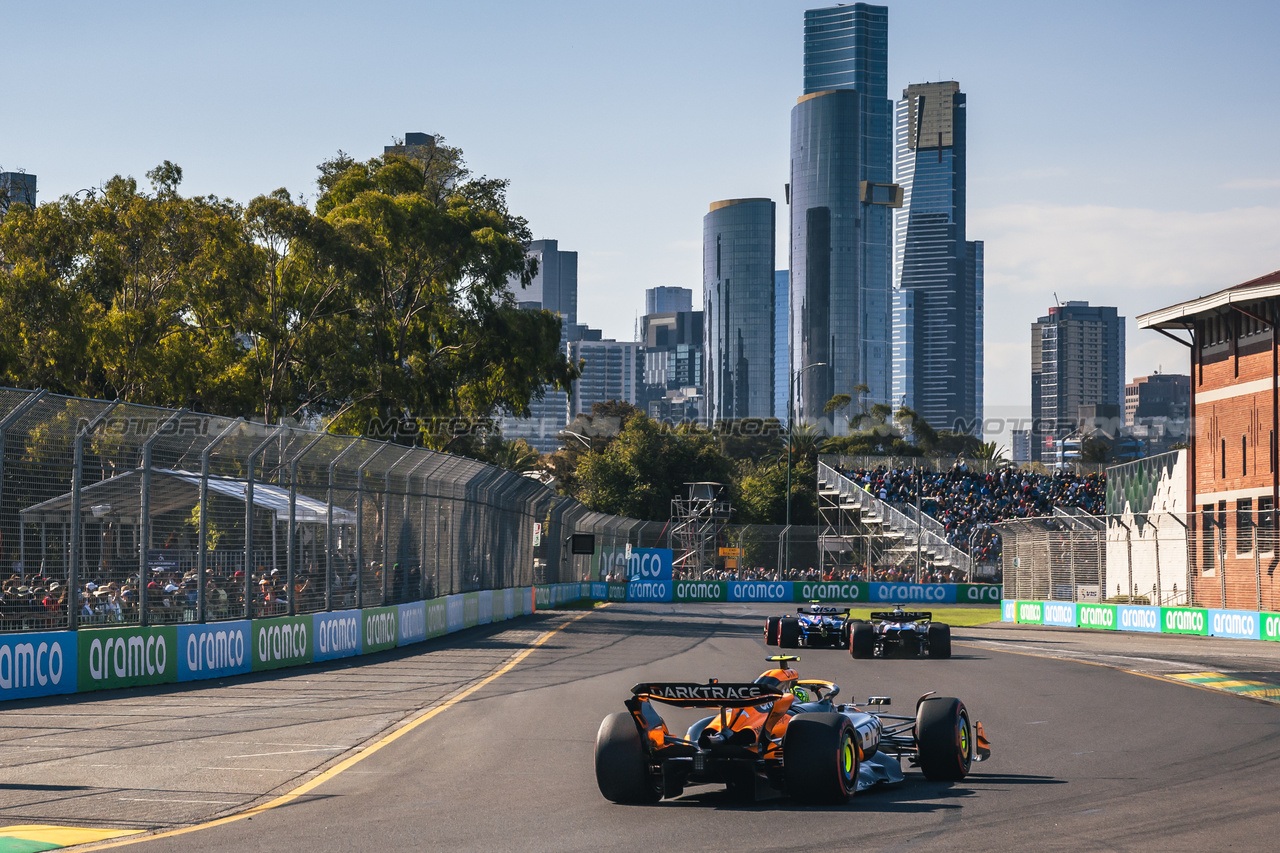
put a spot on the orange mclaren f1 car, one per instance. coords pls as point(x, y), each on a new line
point(778, 734)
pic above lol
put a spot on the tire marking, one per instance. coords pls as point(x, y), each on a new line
point(351, 761)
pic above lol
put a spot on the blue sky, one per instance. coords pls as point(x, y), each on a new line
point(1123, 153)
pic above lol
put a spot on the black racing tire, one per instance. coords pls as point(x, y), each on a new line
point(789, 632)
point(939, 640)
point(862, 641)
point(622, 767)
point(771, 630)
point(820, 758)
point(944, 739)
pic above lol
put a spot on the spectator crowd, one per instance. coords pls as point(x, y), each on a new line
point(968, 503)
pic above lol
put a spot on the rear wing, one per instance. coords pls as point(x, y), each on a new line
point(903, 617)
point(713, 694)
point(824, 611)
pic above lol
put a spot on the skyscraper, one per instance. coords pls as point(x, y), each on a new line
point(555, 286)
point(937, 324)
point(667, 300)
point(1080, 353)
point(738, 251)
point(781, 342)
point(555, 289)
point(841, 194)
point(17, 188)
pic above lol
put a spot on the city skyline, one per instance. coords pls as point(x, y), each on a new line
point(1063, 204)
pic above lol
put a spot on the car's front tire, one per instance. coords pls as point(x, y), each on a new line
point(944, 739)
point(820, 756)
point(622, 767)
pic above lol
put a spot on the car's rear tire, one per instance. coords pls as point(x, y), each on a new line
point(820, 756)
point(622, 767)
point(939, 640)
point(789, 632)
point(771, 630)
point(944, 739)
point(862, 641)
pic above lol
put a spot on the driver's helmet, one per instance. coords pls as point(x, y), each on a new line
point(801, 693)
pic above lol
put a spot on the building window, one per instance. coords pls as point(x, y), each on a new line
point(1244, 525)
point(1266, 525)
point(1207, 539)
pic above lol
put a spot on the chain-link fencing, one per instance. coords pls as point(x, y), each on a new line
point(112, 513)
point(1212, 559)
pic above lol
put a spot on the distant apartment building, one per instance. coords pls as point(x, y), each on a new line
point(673, 364)
point(667, 300)
point(738, 251)
point(554, 288)
point(1077, 359)
point(1160, 395)
point(17, 188)
point(611, 370)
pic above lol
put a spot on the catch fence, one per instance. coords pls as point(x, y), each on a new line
point(113, 513)
point(1203, 559)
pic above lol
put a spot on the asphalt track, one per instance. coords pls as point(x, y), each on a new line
point(1086, 756)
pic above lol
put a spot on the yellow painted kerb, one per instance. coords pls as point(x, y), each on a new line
point(346, 764)
point(64, 836)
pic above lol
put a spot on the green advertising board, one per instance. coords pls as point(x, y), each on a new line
point(1030, 613)
point(470, 609)
point(126, 657)
point(437, 618)
point(381, 629)
point(1101, 616)
point(617, 592)
point(1184, 620)
point(1270, 626)
point(542, 597)
point(687, 591)
point(830, 591)
point(979, 593)
point(281, 642)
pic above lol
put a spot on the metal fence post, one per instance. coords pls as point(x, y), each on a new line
point(248, 518)
point(202, 559)
point(144, 518)
point(328, 550)
point(8, 421)
point(77, 483)
point(360, 523)
point(290, 571)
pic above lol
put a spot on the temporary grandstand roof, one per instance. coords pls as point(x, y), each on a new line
point(119, 499)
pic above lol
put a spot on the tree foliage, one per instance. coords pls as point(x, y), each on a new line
point(384, 309)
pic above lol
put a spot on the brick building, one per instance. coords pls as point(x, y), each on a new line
point(1233, 481)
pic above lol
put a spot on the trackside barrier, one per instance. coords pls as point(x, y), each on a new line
point(697, 591)
point(1197, 621)
point(58, 662)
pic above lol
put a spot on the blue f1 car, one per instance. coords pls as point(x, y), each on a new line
point(813, 627)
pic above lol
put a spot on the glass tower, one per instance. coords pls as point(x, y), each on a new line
point(781, 347)
point(937, 333)
point(841, 202)
point(738, 250)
